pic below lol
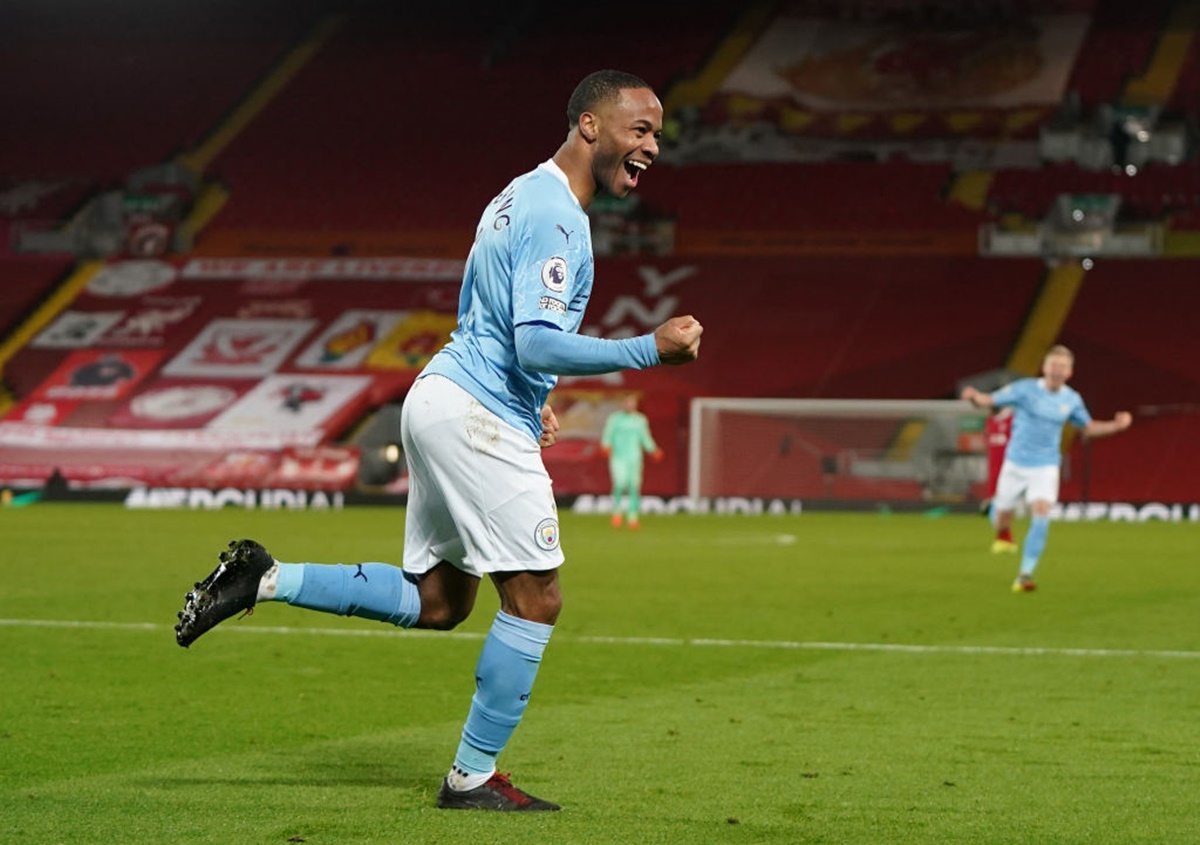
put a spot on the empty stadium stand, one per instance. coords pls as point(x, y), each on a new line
point(1152, 193)
point(1138, 351)
point(27, 280)
point(109, 88)
point(445, 109)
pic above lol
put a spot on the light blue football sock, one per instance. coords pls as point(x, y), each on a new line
point(1035, 543)
point(289, 578)
point(504, 678)
point(376, 591)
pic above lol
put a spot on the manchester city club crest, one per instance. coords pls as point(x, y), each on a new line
point(546, 534)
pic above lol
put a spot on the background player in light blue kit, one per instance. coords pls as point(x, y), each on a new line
point(473, 426)
point(1034, 454)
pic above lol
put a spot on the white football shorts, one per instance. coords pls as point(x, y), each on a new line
point(479, 495)
point(1034, 483)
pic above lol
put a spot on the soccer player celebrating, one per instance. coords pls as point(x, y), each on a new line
point(480, 501)
point(625, 441)
point(1031, 462)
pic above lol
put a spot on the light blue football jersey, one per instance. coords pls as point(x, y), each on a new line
point(1038, 419)
point(531, 263)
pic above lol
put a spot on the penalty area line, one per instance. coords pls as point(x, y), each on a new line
point(796, 645)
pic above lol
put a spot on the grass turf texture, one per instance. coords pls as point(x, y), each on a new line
point(712, 679)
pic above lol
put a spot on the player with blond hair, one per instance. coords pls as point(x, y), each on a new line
point(1041, 407)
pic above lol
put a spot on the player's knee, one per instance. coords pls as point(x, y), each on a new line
point(442, 611)
point(442, 616)
point(542, 606)
point(552, 606)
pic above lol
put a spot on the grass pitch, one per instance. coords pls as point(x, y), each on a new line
point(827, 678)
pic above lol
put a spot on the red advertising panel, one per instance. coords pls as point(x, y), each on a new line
point(97, 375)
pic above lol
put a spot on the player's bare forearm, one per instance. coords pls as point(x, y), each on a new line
point(977, 397)
point(678, 340)
point(1103, 428)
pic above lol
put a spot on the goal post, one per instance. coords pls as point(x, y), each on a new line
point(836, 450)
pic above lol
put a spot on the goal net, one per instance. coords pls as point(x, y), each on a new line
point(840, 450)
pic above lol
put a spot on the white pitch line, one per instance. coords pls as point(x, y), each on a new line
point(798, 645)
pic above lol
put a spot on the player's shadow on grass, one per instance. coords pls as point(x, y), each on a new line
point(377, 767)
point(390, 779)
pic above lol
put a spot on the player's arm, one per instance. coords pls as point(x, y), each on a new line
point(548, 349)
point(606, 438)
point(977, 397)
point(1103, 428)
point(545, 348)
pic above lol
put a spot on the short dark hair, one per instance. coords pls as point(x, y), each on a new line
point(600, 87)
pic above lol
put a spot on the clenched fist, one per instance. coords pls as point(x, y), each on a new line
point(549, 428)
point(678, 340)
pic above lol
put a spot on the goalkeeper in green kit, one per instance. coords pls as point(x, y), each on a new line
point(626, 439)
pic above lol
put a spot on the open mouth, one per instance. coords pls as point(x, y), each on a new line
point(634, 169)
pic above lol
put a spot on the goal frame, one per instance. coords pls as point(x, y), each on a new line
point(860, 408)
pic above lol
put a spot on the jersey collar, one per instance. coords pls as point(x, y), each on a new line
point(557, 172)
